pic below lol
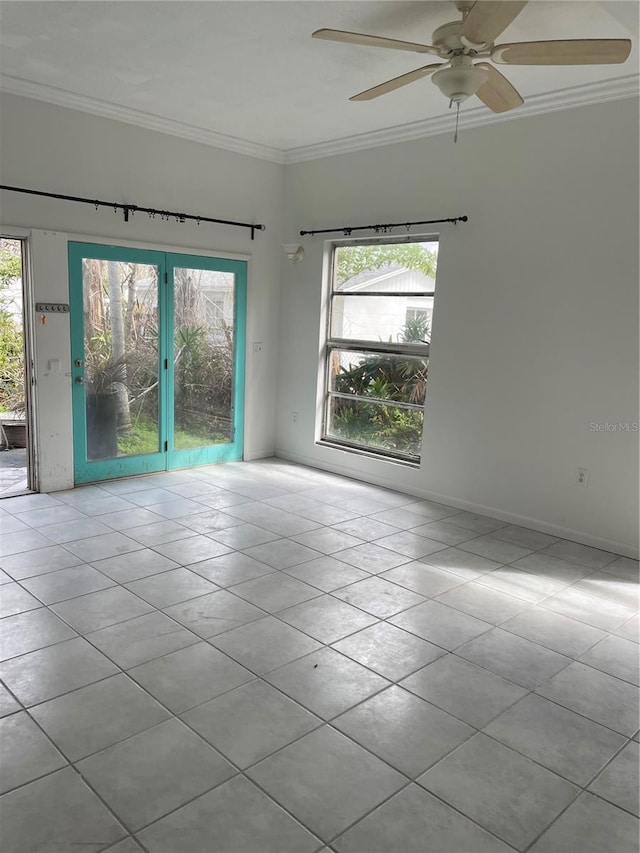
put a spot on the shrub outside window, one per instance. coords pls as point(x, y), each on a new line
point(377, 349)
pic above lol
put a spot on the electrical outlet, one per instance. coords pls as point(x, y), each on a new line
point(294, 417)
point(257, 347)
point(581, 476)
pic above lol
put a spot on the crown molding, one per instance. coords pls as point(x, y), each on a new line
point(562, 99)
point(105, 109)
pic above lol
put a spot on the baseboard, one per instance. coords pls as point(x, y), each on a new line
point(483, 509)
point(252, 455)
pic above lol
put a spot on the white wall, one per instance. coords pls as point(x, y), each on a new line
point(535, 332)
point(59, 150)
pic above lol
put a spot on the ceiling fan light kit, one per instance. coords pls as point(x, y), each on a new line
point(461, 42)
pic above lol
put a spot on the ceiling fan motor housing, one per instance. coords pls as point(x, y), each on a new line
point(460, 80)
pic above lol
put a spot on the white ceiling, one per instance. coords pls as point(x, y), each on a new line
point(246, 75)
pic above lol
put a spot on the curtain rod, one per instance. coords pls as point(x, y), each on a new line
point(129, 209)
point(384, 228)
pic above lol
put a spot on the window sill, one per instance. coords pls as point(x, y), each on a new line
point(368, 454)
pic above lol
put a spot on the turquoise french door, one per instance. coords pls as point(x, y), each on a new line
point(158, 358)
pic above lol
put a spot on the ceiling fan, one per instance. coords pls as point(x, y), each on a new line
point(461, 43)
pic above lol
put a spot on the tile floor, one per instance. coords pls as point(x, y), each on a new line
point(265, 658)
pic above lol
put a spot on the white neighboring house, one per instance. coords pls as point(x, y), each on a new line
point(369, 318)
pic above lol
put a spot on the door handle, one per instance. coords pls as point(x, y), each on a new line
point(79, 380)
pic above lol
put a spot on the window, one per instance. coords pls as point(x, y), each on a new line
point(377, 349)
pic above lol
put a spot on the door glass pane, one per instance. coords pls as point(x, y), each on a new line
point(203, 357)
point(120, 308)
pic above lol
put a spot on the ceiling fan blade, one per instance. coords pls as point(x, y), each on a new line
point(497, 93)
point(373, 41)
point(563, 52)
point(397, 82)
point(488, 18)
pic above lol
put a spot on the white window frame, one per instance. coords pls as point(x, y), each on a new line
point(332, 344)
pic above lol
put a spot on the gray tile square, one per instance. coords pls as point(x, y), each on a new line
point(14, 599)
point(463, 563)
point(154, 772)
point(177, 508)
point(379, 597)
point(501, 790)
point(616, 656)
point(70, 531)
point(618, 782)
point(131, 567)
point(100, 609)
point(265, 644)
point(326, 573)
point(243, 535)
point(251, 722)
point(211, 521)
point(514, 658)
point(595, 695)
point(39, 518)
point(592, 558)
point(101, 547)
point(326, 682)
point(190, 676)
point(403, 730)
point(52, 671)
point(623, 568)
point(529, 586)
point(414, 822)
point(192, 550)
point(478, 523)
point(557, 738)
point(29, 631)
point(326, 781)
point(556, 632)
point(371, 557)
point(326, 619)
point(445, 531)
point(533, 540)
point(230, 569)
point(613, 589)
point(328, 541)
point(281, 553)
point(547, 566)
point(24, 503)
point(39, 562)
point(235, 818)
point(366, 528)
point(389, 651)
point(141, 639)
point(67, 583)
point(495, 549)
point(126, 846)
point(590, 826)
point(152, 533)
point(59, 806)
point(214, 613)
point(25, 753)
point(20, 541)
point(96, 716)
point(275, 591)
point(467, 691)
point(630, 629)
point(400, 517)
point(106, 505)
point(8, 705)
point(171, 587)
point(410, 544)
point(424, 579)
point(440, 624)
point(482, 602)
